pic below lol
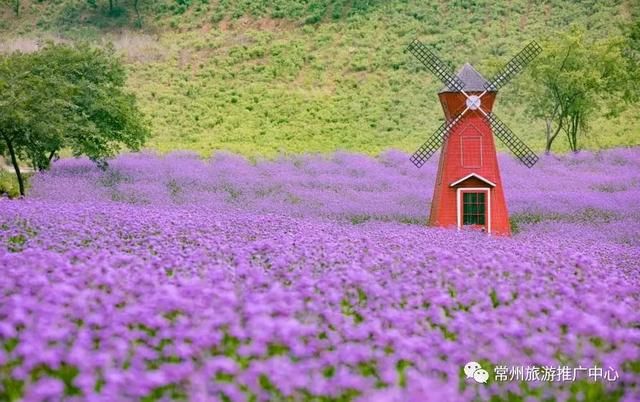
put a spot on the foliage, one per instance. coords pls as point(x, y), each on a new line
point(632, 55)
point(306, 11)
point(232, 75)
point(198, 295)
point(65, 96)
point(578, 77)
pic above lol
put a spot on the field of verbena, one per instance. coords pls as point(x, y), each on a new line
point(314, 279)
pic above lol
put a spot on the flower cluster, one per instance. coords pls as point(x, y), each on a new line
point(313, 279)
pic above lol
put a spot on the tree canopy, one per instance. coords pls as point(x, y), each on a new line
point(66, 97)
point(578, 77)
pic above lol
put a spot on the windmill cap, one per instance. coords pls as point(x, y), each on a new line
point(472, 79)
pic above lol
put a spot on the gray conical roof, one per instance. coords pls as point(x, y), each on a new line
point(473, 80)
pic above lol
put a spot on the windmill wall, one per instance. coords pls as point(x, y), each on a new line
point(470, 148)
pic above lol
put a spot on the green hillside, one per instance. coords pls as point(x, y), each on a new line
point(269, 77)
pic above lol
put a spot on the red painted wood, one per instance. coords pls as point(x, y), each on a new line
point(470, 148)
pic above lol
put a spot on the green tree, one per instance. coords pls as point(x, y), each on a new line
point(577, 78)
point(632, 56)
point(66, 97)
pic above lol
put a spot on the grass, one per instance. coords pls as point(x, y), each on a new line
point(269, 78)
point(9, 184)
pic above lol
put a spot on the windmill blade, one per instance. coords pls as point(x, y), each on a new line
point(435, 65)
point(426, 150)
point(513, 67)
point(508, 138)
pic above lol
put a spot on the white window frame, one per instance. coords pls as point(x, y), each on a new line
point(470, 175)
point(459, 192)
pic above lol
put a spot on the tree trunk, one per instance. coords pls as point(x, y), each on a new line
point(552, 137)
point(574, 133)
point(16, 167)
point(547, 147)
point(557, 114)
point(51, 156)
point(577, 130)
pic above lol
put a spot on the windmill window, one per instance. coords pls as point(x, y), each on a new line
point(473, 208)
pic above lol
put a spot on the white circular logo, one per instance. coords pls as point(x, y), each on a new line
point(473, 102)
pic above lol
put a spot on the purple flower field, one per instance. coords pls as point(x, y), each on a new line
point(314, 278)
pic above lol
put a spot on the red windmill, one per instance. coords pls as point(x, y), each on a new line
point(468, 190)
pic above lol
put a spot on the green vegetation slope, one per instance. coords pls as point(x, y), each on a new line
point(268, 77)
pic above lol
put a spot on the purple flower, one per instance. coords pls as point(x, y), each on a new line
point(313, 276)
